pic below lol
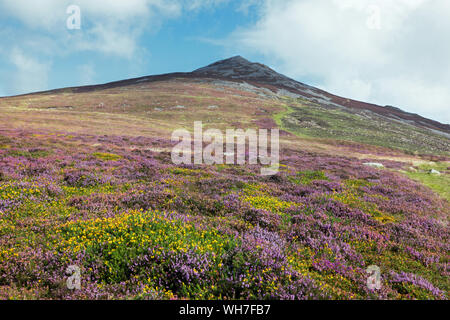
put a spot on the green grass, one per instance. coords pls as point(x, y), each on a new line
point(35, 154)
point(306, 119)
point(438, 183)
point(308, 176)
point(278, 117)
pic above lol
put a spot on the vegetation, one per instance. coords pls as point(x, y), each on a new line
point(440, 183)
point(86, 179)
point(312, 120)
point(141, 228)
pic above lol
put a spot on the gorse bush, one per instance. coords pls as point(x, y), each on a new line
point(306, 177)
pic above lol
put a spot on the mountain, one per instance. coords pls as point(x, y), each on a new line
point(239, 69)
point(88, 180)
point(310, 112)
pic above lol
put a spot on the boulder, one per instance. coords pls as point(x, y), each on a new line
point(374, 164)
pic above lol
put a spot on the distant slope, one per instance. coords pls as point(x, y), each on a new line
point(238, 68)
point(312, 112)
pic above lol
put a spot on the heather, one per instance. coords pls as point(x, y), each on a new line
point(140, 227)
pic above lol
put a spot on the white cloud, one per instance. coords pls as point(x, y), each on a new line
point(404, 63)
point(246, 5)
point(44, 14)
point(108, 27)
point(51, 14)
point(28, 75)
point(200, 4)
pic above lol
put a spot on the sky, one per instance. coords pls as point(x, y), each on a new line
point(388, 52)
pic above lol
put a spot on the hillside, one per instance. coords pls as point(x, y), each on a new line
point(86, 179)
point(311, 112)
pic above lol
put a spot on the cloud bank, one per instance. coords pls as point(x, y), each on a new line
point(386, 51)
point(108, 27)
point(392, 52)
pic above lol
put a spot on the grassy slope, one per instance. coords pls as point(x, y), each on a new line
point(438, 183)
point(146, 109)
point(336, 123)
point(87, 185)
point(308, 119)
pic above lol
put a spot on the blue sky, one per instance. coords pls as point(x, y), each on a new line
point(387, 51)
point(180, 41)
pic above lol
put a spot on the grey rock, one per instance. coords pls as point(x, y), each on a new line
point(374, 164)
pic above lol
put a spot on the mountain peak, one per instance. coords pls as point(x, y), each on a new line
point(239, 68)
point(236, 59)
point(229, 62)
point(234, 67)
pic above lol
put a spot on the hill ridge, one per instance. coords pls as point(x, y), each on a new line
point(239, 69)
